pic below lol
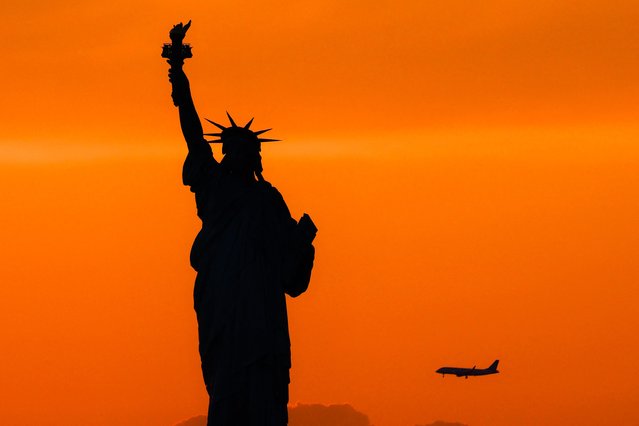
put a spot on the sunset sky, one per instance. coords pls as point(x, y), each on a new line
point(472, 167)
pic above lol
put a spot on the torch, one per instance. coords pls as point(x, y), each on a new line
point(176, 51)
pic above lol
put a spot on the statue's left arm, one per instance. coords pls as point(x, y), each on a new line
point(299, 253)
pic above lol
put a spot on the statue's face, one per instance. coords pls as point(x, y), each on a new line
point(243, 159)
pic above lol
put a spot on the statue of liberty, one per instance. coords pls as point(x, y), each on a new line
point(249, 253)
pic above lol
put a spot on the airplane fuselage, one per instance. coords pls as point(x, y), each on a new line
point(465, 372)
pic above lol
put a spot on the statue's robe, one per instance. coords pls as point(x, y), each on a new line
point(247, 255)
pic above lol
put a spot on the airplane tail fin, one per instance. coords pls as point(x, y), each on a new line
point(493, 366)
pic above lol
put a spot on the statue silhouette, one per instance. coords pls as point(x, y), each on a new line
point(248, 254)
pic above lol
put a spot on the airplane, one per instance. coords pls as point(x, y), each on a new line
point(465, 372)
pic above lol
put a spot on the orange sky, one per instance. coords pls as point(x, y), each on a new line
point(473, 170)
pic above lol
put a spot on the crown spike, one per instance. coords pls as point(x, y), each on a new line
point(231, 119)
point(248, 125)
point(268, 140)
point(259, 132)
point(219, 126)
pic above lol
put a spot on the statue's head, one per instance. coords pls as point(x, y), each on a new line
point(241, 147)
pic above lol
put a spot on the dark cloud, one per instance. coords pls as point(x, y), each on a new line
point(325, 415)
point(193, 421)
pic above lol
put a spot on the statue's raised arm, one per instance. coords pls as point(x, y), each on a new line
point(176, 52)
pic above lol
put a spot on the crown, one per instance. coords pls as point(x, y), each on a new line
point(235, 133)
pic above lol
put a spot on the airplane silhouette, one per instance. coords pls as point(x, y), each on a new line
point(465, 372)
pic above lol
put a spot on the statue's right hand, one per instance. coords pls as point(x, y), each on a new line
point(176, 75)
point(180, 85)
